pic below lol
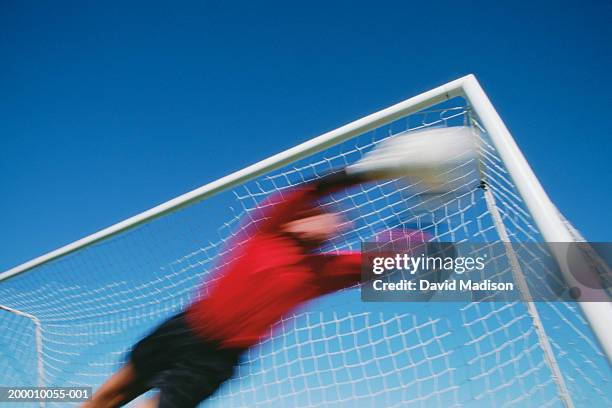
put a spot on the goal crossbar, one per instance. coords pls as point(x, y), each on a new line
point(317, 144)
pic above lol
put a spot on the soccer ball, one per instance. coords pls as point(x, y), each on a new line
point(436, 159)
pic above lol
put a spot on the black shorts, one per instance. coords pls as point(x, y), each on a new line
point(184, 367)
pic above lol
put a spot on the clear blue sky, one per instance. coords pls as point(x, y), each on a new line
point(108, 108)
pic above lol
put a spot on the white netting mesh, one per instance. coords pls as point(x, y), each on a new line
point(335, 351)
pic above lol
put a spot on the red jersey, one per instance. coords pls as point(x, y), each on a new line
point(268, 275)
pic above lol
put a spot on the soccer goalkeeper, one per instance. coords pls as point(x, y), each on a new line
point(263, 278)
point(273, 266)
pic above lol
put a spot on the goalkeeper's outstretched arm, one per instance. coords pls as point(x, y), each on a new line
point(300, 201)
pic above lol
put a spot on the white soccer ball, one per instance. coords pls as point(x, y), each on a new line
point(435, 158)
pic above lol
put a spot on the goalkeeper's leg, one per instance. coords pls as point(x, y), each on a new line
point(183, 367)
point(118, 390)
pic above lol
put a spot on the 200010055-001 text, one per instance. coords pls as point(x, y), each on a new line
point(45, 394)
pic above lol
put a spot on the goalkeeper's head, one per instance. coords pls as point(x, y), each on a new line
point(314, 226)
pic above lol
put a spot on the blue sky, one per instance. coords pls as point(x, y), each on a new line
point(110, 108)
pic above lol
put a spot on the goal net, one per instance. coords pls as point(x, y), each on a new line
point(70, 320)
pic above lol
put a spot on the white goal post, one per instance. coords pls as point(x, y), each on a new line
point(427, 377)
point(40, 372)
